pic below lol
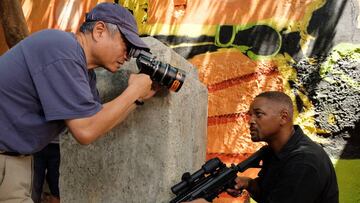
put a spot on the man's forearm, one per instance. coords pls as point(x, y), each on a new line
point(87, 130)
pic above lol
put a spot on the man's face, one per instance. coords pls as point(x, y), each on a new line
point(264, 119)
point(112, 51)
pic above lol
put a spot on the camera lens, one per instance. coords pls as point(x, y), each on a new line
point(162, 73)
point(168, 76)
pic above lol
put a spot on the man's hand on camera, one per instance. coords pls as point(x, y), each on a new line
point(142, 83)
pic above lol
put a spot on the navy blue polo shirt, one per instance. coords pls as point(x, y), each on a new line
point(44, 80)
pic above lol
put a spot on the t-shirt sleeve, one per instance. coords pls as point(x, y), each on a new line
point(64, 91)
point(92, 83)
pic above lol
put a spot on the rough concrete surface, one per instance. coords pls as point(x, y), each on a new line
point(336, 102)
point(140, 159)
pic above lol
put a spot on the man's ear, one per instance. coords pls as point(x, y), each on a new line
point(99, 30)
point(284, 116)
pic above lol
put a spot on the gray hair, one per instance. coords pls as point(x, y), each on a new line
point(89, 27)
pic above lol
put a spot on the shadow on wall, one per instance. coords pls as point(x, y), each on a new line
point(332, 23)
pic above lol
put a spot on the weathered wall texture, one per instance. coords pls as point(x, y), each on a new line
point(307, 48)
point(143, 157)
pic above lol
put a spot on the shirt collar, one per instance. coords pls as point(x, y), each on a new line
point(291, 144)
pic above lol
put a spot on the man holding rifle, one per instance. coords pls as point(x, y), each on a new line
point(295, 169)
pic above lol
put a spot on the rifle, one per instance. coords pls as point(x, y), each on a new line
point(213, 178)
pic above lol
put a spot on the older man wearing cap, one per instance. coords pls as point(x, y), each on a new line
point(47, 82)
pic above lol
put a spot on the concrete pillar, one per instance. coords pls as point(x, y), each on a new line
point(140, 159)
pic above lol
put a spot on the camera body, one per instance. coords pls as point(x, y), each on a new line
point(162, 73)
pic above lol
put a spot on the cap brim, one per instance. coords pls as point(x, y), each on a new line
point(133, 38)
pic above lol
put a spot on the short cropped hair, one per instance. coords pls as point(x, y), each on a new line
point(89, 27)
point(279, 97)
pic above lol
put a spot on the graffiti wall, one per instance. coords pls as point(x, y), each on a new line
point(309, 49)
point(306, 48)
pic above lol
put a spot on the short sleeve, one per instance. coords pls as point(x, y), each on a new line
point(92, 83)
point(64, 91)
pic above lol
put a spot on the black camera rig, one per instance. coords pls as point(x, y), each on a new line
point(162, 73)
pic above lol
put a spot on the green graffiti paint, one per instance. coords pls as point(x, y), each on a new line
point(341, 51)
point(258, 41)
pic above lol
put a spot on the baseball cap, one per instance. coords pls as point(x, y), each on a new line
point(115, 14)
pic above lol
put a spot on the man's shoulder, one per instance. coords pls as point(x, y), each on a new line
point(308, 152)
point(305, 145)
point(50, 45)
point(51, 33)
point(49, 38)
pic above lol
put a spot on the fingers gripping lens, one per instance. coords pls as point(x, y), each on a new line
point(162, 73)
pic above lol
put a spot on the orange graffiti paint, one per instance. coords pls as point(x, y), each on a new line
point(233, 80)
point(214, 12)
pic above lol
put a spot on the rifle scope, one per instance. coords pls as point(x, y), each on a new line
point(187, 180)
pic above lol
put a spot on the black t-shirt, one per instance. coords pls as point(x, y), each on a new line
point(301, 172)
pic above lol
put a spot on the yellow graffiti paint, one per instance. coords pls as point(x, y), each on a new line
point(302, 26)
point(189, 30)
point(191, 44)
point(139, 9)
point(331, 119)
point(306, 118)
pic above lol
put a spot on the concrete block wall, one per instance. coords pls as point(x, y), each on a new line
point(140, 159)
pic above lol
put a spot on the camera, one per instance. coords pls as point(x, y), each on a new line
point(162, 73)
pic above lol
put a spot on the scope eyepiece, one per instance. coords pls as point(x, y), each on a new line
point(162, 73)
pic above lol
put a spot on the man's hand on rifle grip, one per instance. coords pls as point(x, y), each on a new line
point(242, 182)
